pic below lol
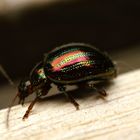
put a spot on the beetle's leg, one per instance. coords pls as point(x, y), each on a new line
point(102, 92)
point(30, 107)
point(70, 98)
point(39, 94)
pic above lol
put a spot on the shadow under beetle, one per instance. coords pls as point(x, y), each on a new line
point(70, 64)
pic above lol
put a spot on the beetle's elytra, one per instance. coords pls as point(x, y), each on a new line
point(73, 63)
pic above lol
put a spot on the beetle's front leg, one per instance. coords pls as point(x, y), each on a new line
point(39, 94)
point(30, 108)
point(69, 97)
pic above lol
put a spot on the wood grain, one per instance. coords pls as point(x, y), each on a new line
point(115, 118)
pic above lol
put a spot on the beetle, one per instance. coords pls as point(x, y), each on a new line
point(69, 64)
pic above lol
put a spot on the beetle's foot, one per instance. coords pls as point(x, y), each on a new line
point(72, 100)
point(102, 92)
point(77, 106)
point(26, 115)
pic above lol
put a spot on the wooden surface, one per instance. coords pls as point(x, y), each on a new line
point(115, 118)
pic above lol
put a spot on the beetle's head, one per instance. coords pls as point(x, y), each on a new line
point(25, 88)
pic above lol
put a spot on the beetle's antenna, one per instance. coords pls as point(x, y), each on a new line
point(4, 73)
point(9, 109)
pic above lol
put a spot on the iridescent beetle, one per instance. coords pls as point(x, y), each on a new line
point(70, 64)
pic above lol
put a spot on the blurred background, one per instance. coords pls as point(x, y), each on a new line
point(30, 28)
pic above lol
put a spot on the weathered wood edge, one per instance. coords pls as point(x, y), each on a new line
point(116, 118)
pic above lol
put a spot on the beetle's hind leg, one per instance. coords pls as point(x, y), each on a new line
point(69, 97)
point(102, 92)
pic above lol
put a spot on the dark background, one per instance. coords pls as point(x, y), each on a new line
point(28, 33)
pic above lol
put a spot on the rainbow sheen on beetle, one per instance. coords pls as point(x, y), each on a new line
point(74, 63)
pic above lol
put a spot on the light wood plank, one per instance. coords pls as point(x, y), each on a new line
point(116, 118)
